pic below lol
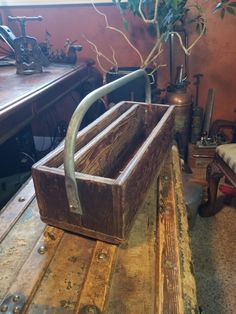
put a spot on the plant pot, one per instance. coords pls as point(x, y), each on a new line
point(133, 91)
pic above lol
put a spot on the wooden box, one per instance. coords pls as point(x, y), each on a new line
point(116, 160)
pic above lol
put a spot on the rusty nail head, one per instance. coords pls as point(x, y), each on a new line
point(4, 308)
point(90, 309)
point(16, 309)
point(21, 199)
point(102, 256)
point(16, 298)
point(42, 249)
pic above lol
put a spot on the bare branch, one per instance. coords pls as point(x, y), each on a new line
point(186, 50)
point(118, 31)
point(147, 21)
point(100, 54)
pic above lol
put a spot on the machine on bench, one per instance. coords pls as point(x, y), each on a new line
point(30, 55)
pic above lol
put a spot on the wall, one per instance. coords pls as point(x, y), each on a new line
point(213, 56)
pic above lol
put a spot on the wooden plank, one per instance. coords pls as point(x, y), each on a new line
point(152, 270)
point(175, 286)
point(186, 263)
point(96, 286)
point(27, 280)
point(61, 285)
point(18, 244)
point(15, 207)
point(168, 285)
point(133, 282)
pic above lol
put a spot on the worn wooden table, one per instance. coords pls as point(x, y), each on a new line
point(46, 270)
point(24, 97)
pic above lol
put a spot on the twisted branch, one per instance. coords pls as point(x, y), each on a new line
point(186, 50)
point(118, 31)
point(100, 54)
point(147, 21)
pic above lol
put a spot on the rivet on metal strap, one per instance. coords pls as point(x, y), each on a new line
point(4, 308)
point(16, 309)
point(21, 199)
point(13, 304)
point(16, 298)
point(90, 309)
point(166, 178)
point(42, 249)
point(102, 256)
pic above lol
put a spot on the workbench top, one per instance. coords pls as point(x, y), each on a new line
point(24, 97)
point(53, 271)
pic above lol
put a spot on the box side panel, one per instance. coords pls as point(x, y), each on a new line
point(55, 159)
point(98, 219)
point(145, 169)
point(106, 154)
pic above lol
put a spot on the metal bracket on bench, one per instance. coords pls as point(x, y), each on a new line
point(69, 165)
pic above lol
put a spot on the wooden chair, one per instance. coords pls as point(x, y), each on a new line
point(223, 164)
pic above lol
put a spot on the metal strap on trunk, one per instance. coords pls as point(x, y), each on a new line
point(84, 105)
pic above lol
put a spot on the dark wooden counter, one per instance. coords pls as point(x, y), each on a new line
point(24, 97)
point(56, 272)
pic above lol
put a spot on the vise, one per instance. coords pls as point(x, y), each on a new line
point(28, 54)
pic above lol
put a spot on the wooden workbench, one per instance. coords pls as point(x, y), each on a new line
point(52, 271)
point(24, 97)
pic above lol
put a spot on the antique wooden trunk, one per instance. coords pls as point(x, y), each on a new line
point(116, 159)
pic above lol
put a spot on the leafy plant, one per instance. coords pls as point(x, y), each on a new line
point(225, 6)
point(163, 18)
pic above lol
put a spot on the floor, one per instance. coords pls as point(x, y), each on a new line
point(213, 246)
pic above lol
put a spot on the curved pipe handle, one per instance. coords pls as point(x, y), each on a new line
point(84, 105)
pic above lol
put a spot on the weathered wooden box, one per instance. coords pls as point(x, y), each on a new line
point(116, 160)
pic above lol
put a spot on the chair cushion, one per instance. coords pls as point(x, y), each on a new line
point(228, 153)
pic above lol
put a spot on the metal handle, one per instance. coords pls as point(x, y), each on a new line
point(69, 164)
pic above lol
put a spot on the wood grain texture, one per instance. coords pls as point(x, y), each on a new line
point(15, 207)
point(97, 283)
point(61, 285)
point(30, 95)
point(149, 273)
point(133, 282)
point(116, 168)
point(185, 254)
point(176, 288)
point(27, 280)
point(168, 283)
point(18, 244)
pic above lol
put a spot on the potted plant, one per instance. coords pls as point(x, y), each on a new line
point(162, 18)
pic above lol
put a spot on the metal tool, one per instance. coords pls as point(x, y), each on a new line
point(198, 78)
point(205, 139)
point(28, 54)
point(68, 56)
point(197, 113)
point(208, 112)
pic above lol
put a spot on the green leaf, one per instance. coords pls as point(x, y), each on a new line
point(231, 11)
point(126, 25)
point(222, 13)
point(217, 7)
point(224, 1)
point(232, 4)
point(166, 36)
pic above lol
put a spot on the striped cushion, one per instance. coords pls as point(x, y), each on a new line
point(228, 153)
